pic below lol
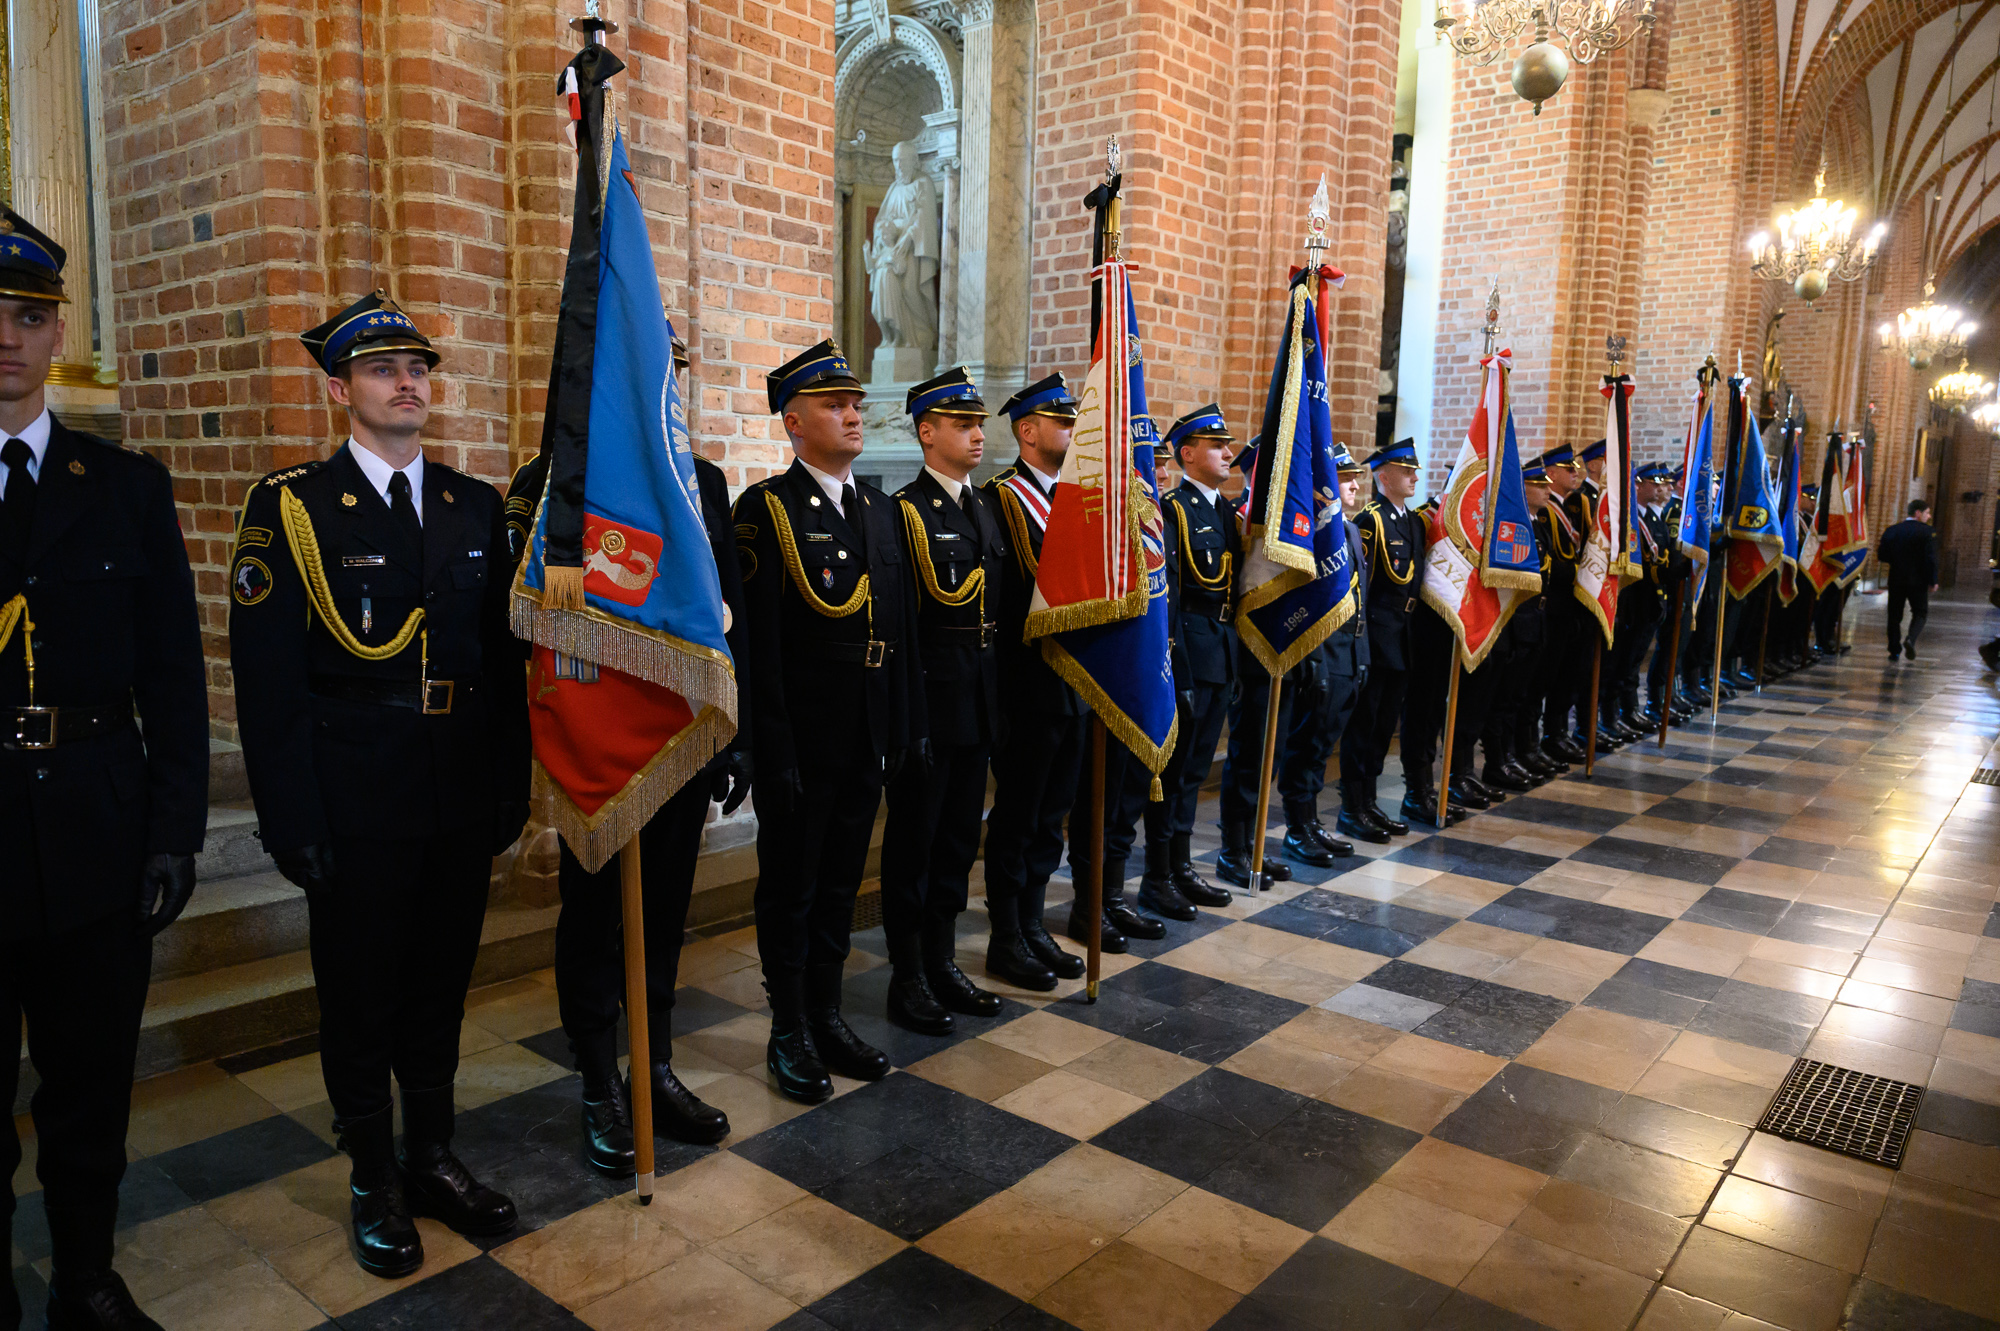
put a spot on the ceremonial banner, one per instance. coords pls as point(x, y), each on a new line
point(632, 690)
point(1788, 509)
point(1698, 487)
point(1482, 561)
point(1856, 552)
point(1607, 556)
point(1100, 600)
point(1756, 540)
point(1297, 584)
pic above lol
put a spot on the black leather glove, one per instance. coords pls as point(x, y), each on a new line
point(925, 760)
point(309, 868)
point(730, 785)
point(165, 885)
point(508, 820)
point(892, 766)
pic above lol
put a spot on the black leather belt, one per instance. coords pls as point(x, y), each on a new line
point(870, 654)
point(433, 697)
point(46, 727)
point(961, 635)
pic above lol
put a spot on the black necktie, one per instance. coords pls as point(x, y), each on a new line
point(850, 508)
point(965, 502)
point(404, 510)
point(19, 499)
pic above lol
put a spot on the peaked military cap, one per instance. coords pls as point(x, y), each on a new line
point(1562, 455)
point(1534, 473)
point(1201, 423)
point(1402, 453)
point(1344, 463)
point(1045, 397)
point(1809, 492)
point(1650, 472)
point(950, 394)
point(369, 325)
point(31, 264)
point(820, 369)
point(1592, 453)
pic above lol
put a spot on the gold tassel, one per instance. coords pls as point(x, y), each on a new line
point(562, 588)
point(1157, 793)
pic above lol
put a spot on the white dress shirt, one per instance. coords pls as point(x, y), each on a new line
point(378, 471)
point(1048, 481)
point(830, 484)
point(951, 487)
point(36, 437)
point(1209, 493)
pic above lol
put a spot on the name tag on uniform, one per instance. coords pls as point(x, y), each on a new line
point(819, 536)
point(474, 554)
point(945, 536)
point(1204, 529)
point(363, 561)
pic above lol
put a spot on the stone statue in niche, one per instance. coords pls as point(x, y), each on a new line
point(902, 263)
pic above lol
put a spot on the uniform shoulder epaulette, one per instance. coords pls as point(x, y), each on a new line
point(1005, 473)
point(286, 475)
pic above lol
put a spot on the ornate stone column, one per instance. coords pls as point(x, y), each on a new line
point(49, 182)
point(996, 147)
point(947, 348)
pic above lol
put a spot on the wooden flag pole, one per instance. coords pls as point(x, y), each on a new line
point(1715, 671)
point(632, 892)
point(1091, 893)
point(1450, 734)
point(1590, 727)
point(1764, 632)
point(1258, 882)
point(1673, 665)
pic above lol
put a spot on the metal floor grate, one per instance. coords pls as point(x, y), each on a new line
point(1986, 776)
point(1841, 1110)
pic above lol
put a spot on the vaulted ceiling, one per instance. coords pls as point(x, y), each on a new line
point(1932, 104)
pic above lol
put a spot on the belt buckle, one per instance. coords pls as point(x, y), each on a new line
point(875, 654)
point(437, 696)
point(1410, 605)
point(24, 728)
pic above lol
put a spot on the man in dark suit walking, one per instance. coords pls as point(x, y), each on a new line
point(1910, 550)
point(100, 817)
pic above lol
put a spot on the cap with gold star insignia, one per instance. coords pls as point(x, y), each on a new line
point(370, 325)
point(31, 264)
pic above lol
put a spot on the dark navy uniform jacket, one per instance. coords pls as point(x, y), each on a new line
point(959, 557)
point(1394, 543)
point(1207, 548)
point(1027, 683)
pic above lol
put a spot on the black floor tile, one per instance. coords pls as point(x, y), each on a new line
point(1463, 1312)
point(1249, 1009)
point(1178, 935)
point(1431, 985)
point(145, 1193)
point(1780, 1037)
point(914, 1291)
point(1115, 1010)
point(1561, 813)
point(815, 1149)
point(1195, 1034)
point(1355, 1141)
point(1724, 906)
point(1742, 819)
point(548, 1185)
point(1235, 1102)
point(802, 1321)
point(1027, 1317)
point(1329, 1285)
point(951, 1127)
point(1645, 1178)
point(1955, 1116)
point(1829, 918)
point(1550, 1093)
point(1683, 810)
point(541, 1117)
point(479, 1293)
point(1811, 856)
point(1646, 783)
point(553, 1044)
point(1681, 1133)
point(1473, 859)
point(1173, 1142)
point(864, 1005)
point(255, 1153)
point(907, 1192)
point(1586, 923)
point(1775, 1004)
point(1338, 906)
point(1873, 1307)
point(1509, 1132)
point(1160, 983)
point(697, 1009)
point(1670, 979)
point(1618, 994)
point(1689, 866)
point(1280, 1180)
point(1481, 1032)
point(1978, 1008)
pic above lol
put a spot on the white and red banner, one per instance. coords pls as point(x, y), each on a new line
point(1606, 554)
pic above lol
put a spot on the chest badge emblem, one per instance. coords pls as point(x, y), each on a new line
point(349, 500)
point(447, 497)
point(826, 578)
point(75, 467)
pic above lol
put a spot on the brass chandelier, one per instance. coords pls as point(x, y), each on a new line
point(1814, 243)
point(1957, 391)
point(1480, 30)
point(1927, 332)
point(1987, 417)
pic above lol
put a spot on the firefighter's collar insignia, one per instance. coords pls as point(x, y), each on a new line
point(349, 500)
point(75, 467)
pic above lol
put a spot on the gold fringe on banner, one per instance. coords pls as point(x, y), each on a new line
point(594, 840)
point(1153, 757)
point(1104, 610)
point(1275, 550)
point(562, 587)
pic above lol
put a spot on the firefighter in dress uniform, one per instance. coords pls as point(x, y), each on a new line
point(955, 545)
point(590, 953)
point(837, 707)
point(101, 817)
point(384, 719)
point(1559, 530)
point(1393, 538)
point(1035, 768)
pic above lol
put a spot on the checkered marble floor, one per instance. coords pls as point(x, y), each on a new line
point(1501, 1077)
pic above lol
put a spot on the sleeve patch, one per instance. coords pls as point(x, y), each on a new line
point(251, 582)
point(253, 536)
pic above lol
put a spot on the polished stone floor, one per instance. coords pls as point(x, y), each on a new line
point(1502, 1077)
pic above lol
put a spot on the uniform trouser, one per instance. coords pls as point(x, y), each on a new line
point(1512, 664)
point(1364, 745)
point(1426, 698)
point(1243, 765)
point(1309, 746)
point(1619, 683)
point(1127, 783)
point(590, 930)
point(931, 840)
point(1520, 701)
point(1201, 716)
point(1827, 609)
point(393, 944)
point(1478, 695)
point(1562, 645)
point(82, 993)
point(811, 853)
point(1034, 782)
point(1918, 599)
point(1664, 644)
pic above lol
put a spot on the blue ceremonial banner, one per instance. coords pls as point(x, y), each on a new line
point(1297, 584)
point(1124, 669)
point(633, 689)
point(1788, 492)
point(1698, 488)
point(1756, 541)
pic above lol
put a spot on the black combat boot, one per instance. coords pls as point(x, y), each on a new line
point(1120, 911)
point(948, 984)
point(1035, 933)
point(1373, 809)
point(435, 1182)
point(1111, 887)
point(1007, 954)
point(1190, 885)
point(1464, 791)
point(95, 1301)
point(1157, 892)
point(386, 1242)
point(911, 1003)
point(677, 1111)
point(840, 1049)
point(1301, 843)
point(790, 1055)
point(1354, 820)
point(607, 1121)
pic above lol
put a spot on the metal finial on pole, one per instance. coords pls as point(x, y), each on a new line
point(1318, 214)
point(1614, 351)
point(1491, 329)
point(1114, 166)
point(593, 25)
